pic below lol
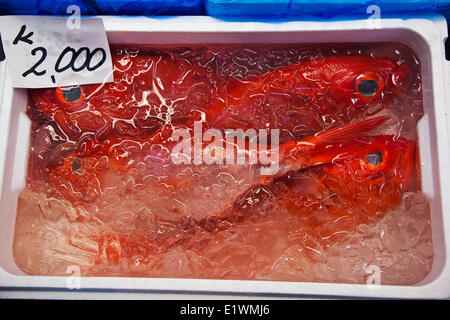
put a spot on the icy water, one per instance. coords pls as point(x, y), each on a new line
point(103, 195)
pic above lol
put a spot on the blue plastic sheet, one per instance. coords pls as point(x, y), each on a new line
point(320, 9)
point(304, 9)
point(102, 7)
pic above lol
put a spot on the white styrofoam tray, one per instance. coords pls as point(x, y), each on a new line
point(424, 35)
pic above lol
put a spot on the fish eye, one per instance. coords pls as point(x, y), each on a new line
point(368, 88)
point(368, 84)
point(70, 94)
point(373, 160)
point(76, 164)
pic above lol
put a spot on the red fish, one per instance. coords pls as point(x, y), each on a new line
point(150, 91)
point(175, 191)
point(360, 185)
point(307, 97)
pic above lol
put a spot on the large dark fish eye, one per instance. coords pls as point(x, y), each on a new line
point(76, 164)
point(70, 94)
point(374, 159)
point(369, 84)
point(368, 88)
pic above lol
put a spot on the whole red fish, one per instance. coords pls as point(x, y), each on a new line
point(150, 91)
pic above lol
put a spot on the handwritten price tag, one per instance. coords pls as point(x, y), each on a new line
point(44, 52)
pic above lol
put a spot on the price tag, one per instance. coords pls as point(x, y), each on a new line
point(45, 52)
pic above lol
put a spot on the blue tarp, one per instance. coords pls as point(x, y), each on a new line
point(103, 7)
point(302, 9)
point(321, 9)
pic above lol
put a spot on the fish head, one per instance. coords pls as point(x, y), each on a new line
point(385, 157)
point(367, 178)
point(69, 98)
point(81, 109)
point(83, 178)
point(374, 172)
point(78, 179)
point(148, 91)
point(360, 80)
point(105, 97)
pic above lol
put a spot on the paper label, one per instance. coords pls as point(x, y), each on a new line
point(44, 52)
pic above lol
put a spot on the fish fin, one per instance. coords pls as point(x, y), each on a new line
point(328, 146)
point(346, 132)
point(329, 153)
